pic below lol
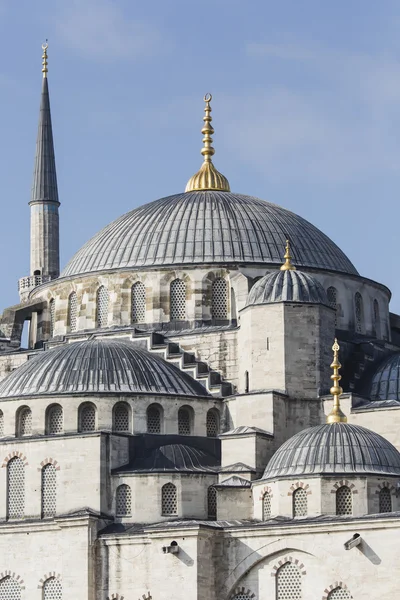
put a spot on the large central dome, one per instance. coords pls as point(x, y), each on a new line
point(207, 227)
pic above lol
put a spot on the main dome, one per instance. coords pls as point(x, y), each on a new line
point(207, 227)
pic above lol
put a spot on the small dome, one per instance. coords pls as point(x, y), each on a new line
point(334, 449)
point(287, 286)
point(98, 366)
point(385, 384)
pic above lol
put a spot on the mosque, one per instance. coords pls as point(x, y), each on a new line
point(177, 426)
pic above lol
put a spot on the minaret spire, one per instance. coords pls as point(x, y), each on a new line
point(287, 265)
point(336, 415)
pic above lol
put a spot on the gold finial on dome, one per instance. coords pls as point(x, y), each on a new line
point(44, 59)
point(287, 265)
point(336, 415)
point(207, 178)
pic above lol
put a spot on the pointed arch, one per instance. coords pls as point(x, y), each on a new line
point(54, 419)
point(15, 488)
point(288, 582)
point(212, 422)
point(49, 491)
point(219, 299)
point(169, 502)
point(87, 414)
point(102, 302)
point(385, 500)
point(123, 501)
point(138, 303)
point(122, 417)
point(154, 416)
point(300, 504)
point(177, 300)
point(23, 424)
point(52, 589)
point(344, 501)
point(10, 588)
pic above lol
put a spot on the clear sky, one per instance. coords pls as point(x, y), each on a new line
point(306, 113)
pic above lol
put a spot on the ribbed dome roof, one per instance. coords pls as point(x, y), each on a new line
point(98, 366)
point(287, 286)
point(204, 227)
point(336, 448)
point(385, 384)
point(176, 457)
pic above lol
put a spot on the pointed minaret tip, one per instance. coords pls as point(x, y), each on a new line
point(336, 415)
point(287, 265)
point(44, 59)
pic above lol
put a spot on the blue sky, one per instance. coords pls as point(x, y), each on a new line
point(306, 113)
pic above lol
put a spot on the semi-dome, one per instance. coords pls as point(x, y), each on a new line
point(334, 449)
point(98, 366)
point(385, 383)
point(287, 286)
point(175, 457)
point(207, 227)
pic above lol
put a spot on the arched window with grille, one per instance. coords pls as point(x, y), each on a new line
point(266, 506)
point(300, 503)
point(52, 308)
point(24, 421)
point(15, 488)
point(121, 417)
point(169, 504)
point(87, 417)
point(102, 300)
point(359, 312)
point(385, 500)
point(154, 418)
point(49, 491)
point(138, 302)
point(344, 501)
point(212, 423)
point(177, 300)
point(10, 589)
point(377, 319)
point(123, 501)
point(1, 423)
point(52, 589)
point(55, 420)
point(73, 312)
point(184, 421)
point(212, 502)
point(331, 292)
point(339, 593)
point(288, 582)
point(219, 295)
point(242, 596)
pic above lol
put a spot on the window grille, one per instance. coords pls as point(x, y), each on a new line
point(123, 501)
point(10, 589)
point(212, 502)
point(121, 417)
point(87, 418)
point(183, 421)
point(385, 501)
point(52, 589)
point(377, 319)
point(212, 424)
point(288, 582)
point(138, 303)
point(15, 488)
point(1, 423)
point(49, 491)
point(266, 506)
point(25, 421)
point(220, 299)
point(344, 501)
point(242, 597)
point(55, 420)
point(339, 593)
point(72, 311)
point(52, 306)
point(153, 420)
point(359, 311)
point(331, 292)
point(300, 503)
point(168, 500)
point(178, 300)
point(102, 307)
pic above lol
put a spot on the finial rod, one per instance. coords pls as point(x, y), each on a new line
point(336, 415)
point(287, 265)
point(44, 59)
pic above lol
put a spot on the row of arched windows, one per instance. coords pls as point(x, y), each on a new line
point(10, 589)
point(121, 420)
point(358, 311)
point(15, 505)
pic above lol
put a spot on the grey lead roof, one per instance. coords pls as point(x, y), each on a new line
point(287, 286)
point(385, 384)
point(44, 187)
point(98, 366)
point(207, 227)
point(174, 457)
point(337, 448)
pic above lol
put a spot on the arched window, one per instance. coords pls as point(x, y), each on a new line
point(138, 302)
point(52, 307)
point(102, 307)
point(121, 417)
point(339, 593)
point(24, 421)
point(154, 413)
point(72, 311)
point(55, 421)
point(212, 424)
point(385, 500)
point(266, 506)
point(359, 312)
point(299, 503)
point(1, 423)
point(288, 582)
point(219, 306)
point(184, 425)
point(178, 300)
point(344, 501)
point(123, 501)
point(9, 589)
point(242, 596)
point(52, 589)
point(331, 292)
point(168, 500)
point(49, 491)
point(87, 417)
point(212, 502)
point(15, 488)
point(377, 319)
